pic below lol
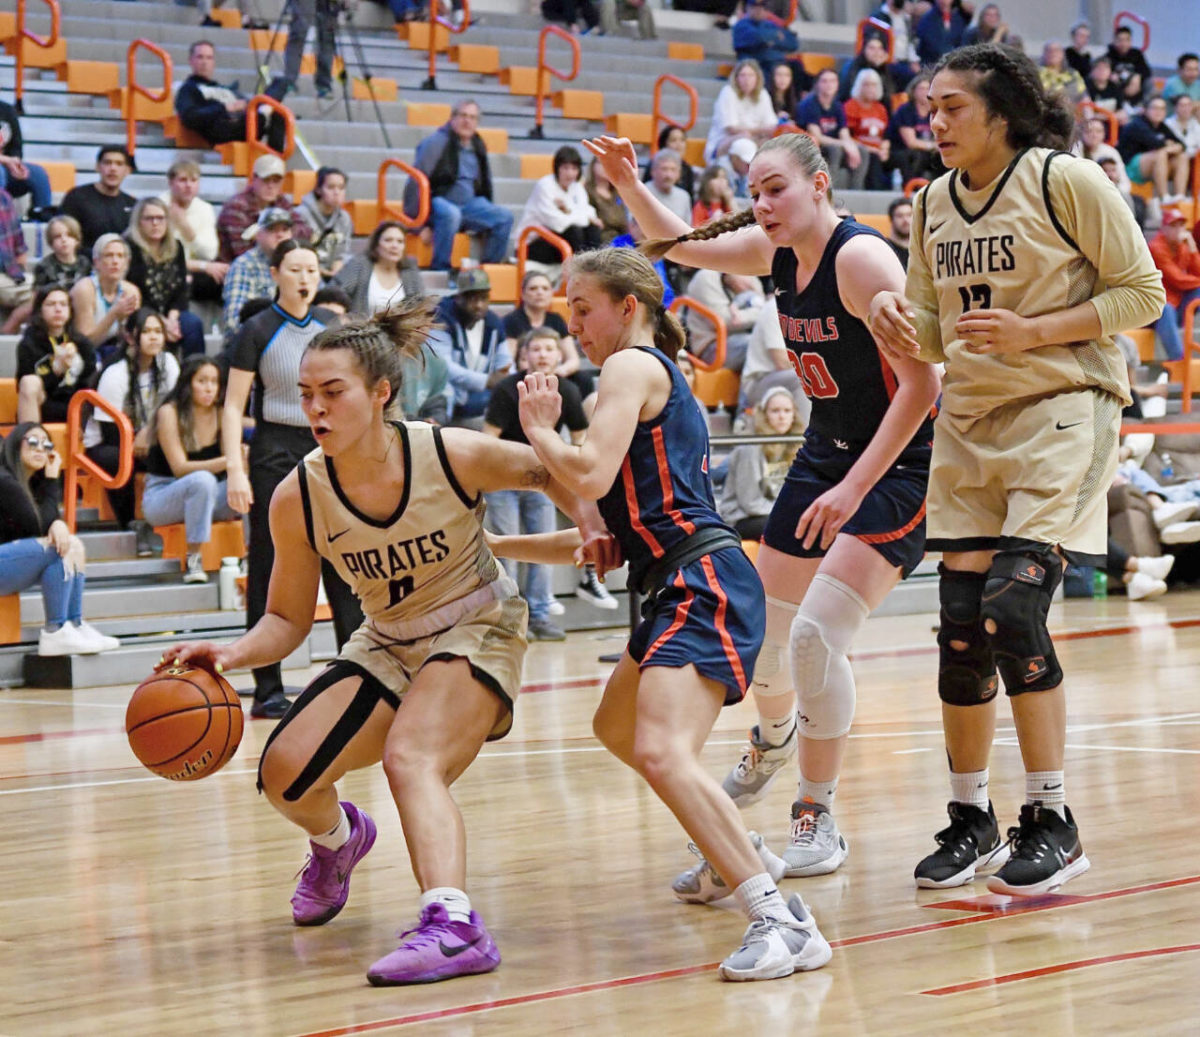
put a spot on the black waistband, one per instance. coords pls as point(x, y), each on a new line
point(702, 542)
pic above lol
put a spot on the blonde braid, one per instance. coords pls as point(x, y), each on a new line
point(655, 248)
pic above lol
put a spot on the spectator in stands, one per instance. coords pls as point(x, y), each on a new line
point(207, 20)
point(37, 547)
point(305, 13)
point(330, 224)
point(185, 469)
point(559, 202)
point(455, 159)
point(755, 473)
point(898, 14)
point(1104, 91)
point(674, 138)
point(104, 299)
point(939, 31)
point(737, 300)
point(383, 275)
point(873, 56)
point(193, 221)
point(473, 346)
point(1130, 68)
point(579, 16)
point(900, 213)
point(614, 217)
point(757, 36)
point(1057, 75)
point(1178, 259)
point(768, 364)
point(664, 178)
point(54, 361)
point(743, 109)
point(1186, 79)
point(914, 152)
point(784, 95)
point(157, 266)
point(250, 274)
point(1114, 169)
point(425, 388)
point(241, 211)
point(714, 196)
point(1184, 124)
point(66, 262)
point(867, 121)
point(1077, 54)
point(334, 298)
point(16, 288)
point(530, 511)
point(1153, 154)
point(988, 27)
point(218, 113)
point(134, 382)
point(18, 177)
point(102, 207)
point(736, 163)
point(822, 116)
point(613, 12)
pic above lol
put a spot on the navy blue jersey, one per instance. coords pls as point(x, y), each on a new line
point(849, 382)
point(662, 493)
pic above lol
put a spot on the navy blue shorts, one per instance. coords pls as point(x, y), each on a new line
point(891, 518)
point(711, 614)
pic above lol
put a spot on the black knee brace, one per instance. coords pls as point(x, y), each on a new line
point(966, 677)
point(1016, 601)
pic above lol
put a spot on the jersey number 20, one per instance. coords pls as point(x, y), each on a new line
point(818, 382)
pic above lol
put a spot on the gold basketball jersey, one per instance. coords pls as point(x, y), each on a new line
point(419, 571)
point(1048, 234)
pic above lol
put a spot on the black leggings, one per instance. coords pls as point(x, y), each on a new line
point(581, 239)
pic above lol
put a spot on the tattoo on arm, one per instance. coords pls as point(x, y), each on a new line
point(536, 478)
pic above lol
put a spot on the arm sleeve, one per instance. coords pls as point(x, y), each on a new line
point(203, 219)
point(920, 291)
point(1100, 223)
point(541, 210)
point(243, 354)
point(237, 292)
point(28, 354)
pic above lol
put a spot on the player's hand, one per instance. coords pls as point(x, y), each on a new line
point(600, 550)
point(889, 320)
point(823, 518)
point(617, 156)
point(205, 654)
point(994, 332)
point(539, 401)
point(238, 492)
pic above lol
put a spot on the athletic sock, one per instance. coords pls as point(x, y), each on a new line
point(1046, 788)
point(776, 730)
point(455, 901)
point(970, 787)
point(821, 792)
point(336, 837)
point(759, 898)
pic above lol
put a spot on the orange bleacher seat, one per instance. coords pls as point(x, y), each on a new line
point(10, 619)
point(144, 109)
point(230, 18)
point(717, 388)
point(495, 139)
point(693, 150)
point(522, 80)
point(8, 25)
point(417, 34)
point(308, 65)
point(380, 89)
point(38, 57)
point(685, 51)
point(423, 254)
point(579, 104)
point(634, 125)
point(425, 114)
point(89, 77)
point(226, 541)
point(475, 57)
point(877, 220)
point(560, 306)
point(61, 174)
point(535, 166)
point(1144, 339)
point(268, 39)
point(298, 182)
point(174, 130)
point(8, 401)
point(1144, 190)
point(1174, 369)
point(814, 63)
point(503, 277)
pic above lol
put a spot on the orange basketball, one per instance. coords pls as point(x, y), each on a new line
point(184, 722)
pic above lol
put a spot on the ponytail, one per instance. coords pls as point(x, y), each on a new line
point(655, 248)
point(669, 335)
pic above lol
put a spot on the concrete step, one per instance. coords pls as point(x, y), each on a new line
point(108, 601)
point(132, 568)
point(108, 544)
point(205, 624)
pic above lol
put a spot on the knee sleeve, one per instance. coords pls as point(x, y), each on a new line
point(1016, 602)
point(966, 676)
point(825, 624)
point(772, 675)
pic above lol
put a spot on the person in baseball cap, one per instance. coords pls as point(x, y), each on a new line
point(478, 357)
point(241, 212)
point(1178, 260)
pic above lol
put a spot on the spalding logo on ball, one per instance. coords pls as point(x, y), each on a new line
point(184, 722)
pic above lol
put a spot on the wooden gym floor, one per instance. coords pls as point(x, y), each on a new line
point(134, 906)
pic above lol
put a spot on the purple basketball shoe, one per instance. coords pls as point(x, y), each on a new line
point(437, 949)
point(325, 881)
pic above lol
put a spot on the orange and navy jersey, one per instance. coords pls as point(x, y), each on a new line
point(849, 382)
point(663, 493)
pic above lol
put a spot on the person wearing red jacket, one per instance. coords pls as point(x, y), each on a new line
point(1178, 258)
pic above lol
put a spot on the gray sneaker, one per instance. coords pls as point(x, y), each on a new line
point(544, 630)
point(772, 949)
point(815, 846)
point(702, 885)
point(748, 782)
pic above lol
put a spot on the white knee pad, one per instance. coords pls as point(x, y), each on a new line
point(772, 675)
point(825, 624)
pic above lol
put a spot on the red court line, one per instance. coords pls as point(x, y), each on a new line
point(47, 736)
point(1066, 966)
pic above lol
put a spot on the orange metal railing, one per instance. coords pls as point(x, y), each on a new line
point(914, 185)
point(546, 33)
point(1191, 351)
point(1087, 110)
point(289, 127)
point(713, 318)
point(657, 116)
point(449, 26)
point(563, 246)
point(77, 459)
point(135, 89)
point(45, 42)
point(877, 28)
point(387, 210)
point(1137, 19)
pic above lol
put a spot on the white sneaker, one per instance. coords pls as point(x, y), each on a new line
point(1180, 533)
point(66, 640)
point(1171, 513)
point(556, 608)
point(102, 642)
point(1155, 567)
point(591, 590)
point(195, 570)
point(815, 846)
point(772, 949)
point(1142, 587)
point(702, 885)
point(748, 782)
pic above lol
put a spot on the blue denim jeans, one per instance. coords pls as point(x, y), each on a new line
point(524, 511)
point(26, 562)
point(196, 499)
point(479, 216)
point(1168, 325)
point(37, 184)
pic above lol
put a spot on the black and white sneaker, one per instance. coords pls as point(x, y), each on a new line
point(1046, 852)
point(591, 590)
point(969, 845)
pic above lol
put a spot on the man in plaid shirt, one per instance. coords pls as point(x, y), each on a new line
point(16, 290)
point(240, 212)
point(250, 275)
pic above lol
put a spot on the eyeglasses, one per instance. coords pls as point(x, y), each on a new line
point(38, 444)
point(148, 218)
